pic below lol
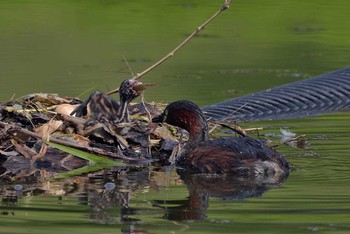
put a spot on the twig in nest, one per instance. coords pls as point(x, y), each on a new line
point(235, 129)
point(213, 128)
point(45, 109)
point(182, 44)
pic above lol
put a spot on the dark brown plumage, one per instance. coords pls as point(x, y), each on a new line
point(101, 107)
point(226, 155)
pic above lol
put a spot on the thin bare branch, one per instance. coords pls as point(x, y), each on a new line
point(182, 44)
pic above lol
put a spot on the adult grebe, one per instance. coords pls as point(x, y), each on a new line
point(227, 155)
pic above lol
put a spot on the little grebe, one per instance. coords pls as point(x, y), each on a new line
point(227, 155)
point(101, 107)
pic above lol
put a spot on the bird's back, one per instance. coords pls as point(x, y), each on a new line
point(100, 107)
point(233, 155)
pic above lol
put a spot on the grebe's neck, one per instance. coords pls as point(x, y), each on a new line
point(189, 116)
point(123, 111)
point(196, 125)
point(197, 128)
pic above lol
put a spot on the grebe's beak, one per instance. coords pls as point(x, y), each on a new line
point(138, 87)
point(158, 119)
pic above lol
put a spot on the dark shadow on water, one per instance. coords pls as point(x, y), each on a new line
point(203, 187)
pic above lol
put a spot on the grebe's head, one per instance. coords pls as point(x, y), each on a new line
point(186, 115)
point(130, 89)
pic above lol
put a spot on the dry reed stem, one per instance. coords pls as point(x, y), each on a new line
point(182, 44)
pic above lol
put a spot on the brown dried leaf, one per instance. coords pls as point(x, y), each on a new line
point(81, 140)
point(45, 130)
point(47, 99)
point(164, 133)
point(65, 109)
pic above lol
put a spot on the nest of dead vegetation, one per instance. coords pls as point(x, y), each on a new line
point(28, 124)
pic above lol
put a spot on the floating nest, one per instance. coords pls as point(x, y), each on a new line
point(30, 124)
point(26, 125)
point(29, 127)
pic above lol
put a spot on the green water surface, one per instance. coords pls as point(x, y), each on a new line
point(73, 47)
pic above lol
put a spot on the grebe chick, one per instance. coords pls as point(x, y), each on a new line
point(227, 155)
point(101, 107)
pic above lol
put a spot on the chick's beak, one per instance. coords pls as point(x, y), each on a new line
point(138, 87)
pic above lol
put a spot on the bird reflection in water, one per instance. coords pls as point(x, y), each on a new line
point(201, 187)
